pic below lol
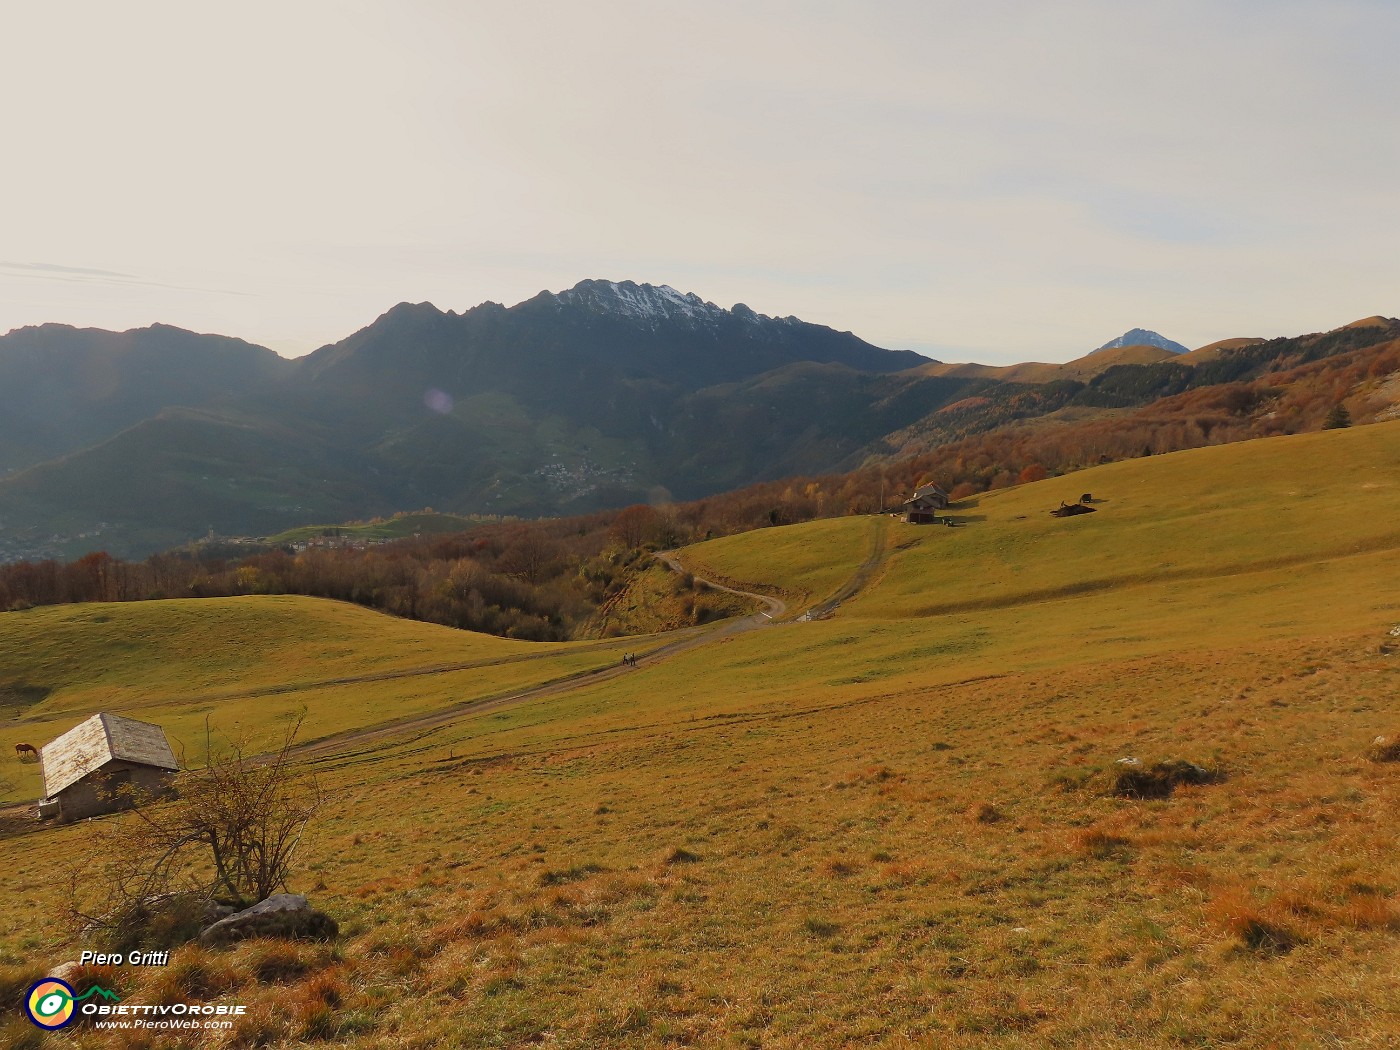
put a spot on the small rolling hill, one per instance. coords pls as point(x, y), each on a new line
point(1081, 369)
point(250, 667)
point(905, 824)
point(1211, 351)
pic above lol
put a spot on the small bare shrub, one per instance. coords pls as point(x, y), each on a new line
point(230, 835)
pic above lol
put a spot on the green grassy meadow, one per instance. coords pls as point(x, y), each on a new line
point(893, 827)
point(252, 666)
point(801, 563)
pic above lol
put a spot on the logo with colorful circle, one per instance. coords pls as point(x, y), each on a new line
point(50, 1004)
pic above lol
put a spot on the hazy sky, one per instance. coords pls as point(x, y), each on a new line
point(994, 181)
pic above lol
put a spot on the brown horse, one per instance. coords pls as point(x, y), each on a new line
point(22, 749)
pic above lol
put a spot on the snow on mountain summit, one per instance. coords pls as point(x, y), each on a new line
point(649, 303)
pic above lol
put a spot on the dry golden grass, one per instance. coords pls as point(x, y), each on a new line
point(898, 828)
point(776, 900)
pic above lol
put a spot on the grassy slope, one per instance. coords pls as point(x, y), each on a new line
point(656, 599)
point(804, 563)
point(1199, 513)
point(251, 665)
point(883, 843)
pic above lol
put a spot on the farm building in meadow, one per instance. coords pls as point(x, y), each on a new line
point(923, 507)
point(102, 765)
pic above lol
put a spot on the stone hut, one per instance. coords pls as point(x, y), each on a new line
point(922, 508)
point(103, 765)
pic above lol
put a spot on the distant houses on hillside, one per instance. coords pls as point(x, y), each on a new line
point(357, 543)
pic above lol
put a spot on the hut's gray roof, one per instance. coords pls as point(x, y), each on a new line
point(928, 496)
point(103, 738)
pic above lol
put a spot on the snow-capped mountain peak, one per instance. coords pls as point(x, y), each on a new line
point(648, 303)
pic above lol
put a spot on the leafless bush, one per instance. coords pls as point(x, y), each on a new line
point(229, 836)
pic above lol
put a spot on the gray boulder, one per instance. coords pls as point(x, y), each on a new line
point(281, 915)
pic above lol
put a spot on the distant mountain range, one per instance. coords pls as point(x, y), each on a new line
point(63, 389)
point(1144, 337)
point(602, 395)
point(605, 394)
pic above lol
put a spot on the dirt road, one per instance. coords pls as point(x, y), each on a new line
point(773, 608)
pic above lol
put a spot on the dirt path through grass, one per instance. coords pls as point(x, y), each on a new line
point(860, 580)
point(773, 609)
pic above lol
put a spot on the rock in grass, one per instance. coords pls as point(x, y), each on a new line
point(1384, 749)
point(281, 915)
point(1160, 779)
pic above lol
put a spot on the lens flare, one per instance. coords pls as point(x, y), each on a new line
point(439, 401)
